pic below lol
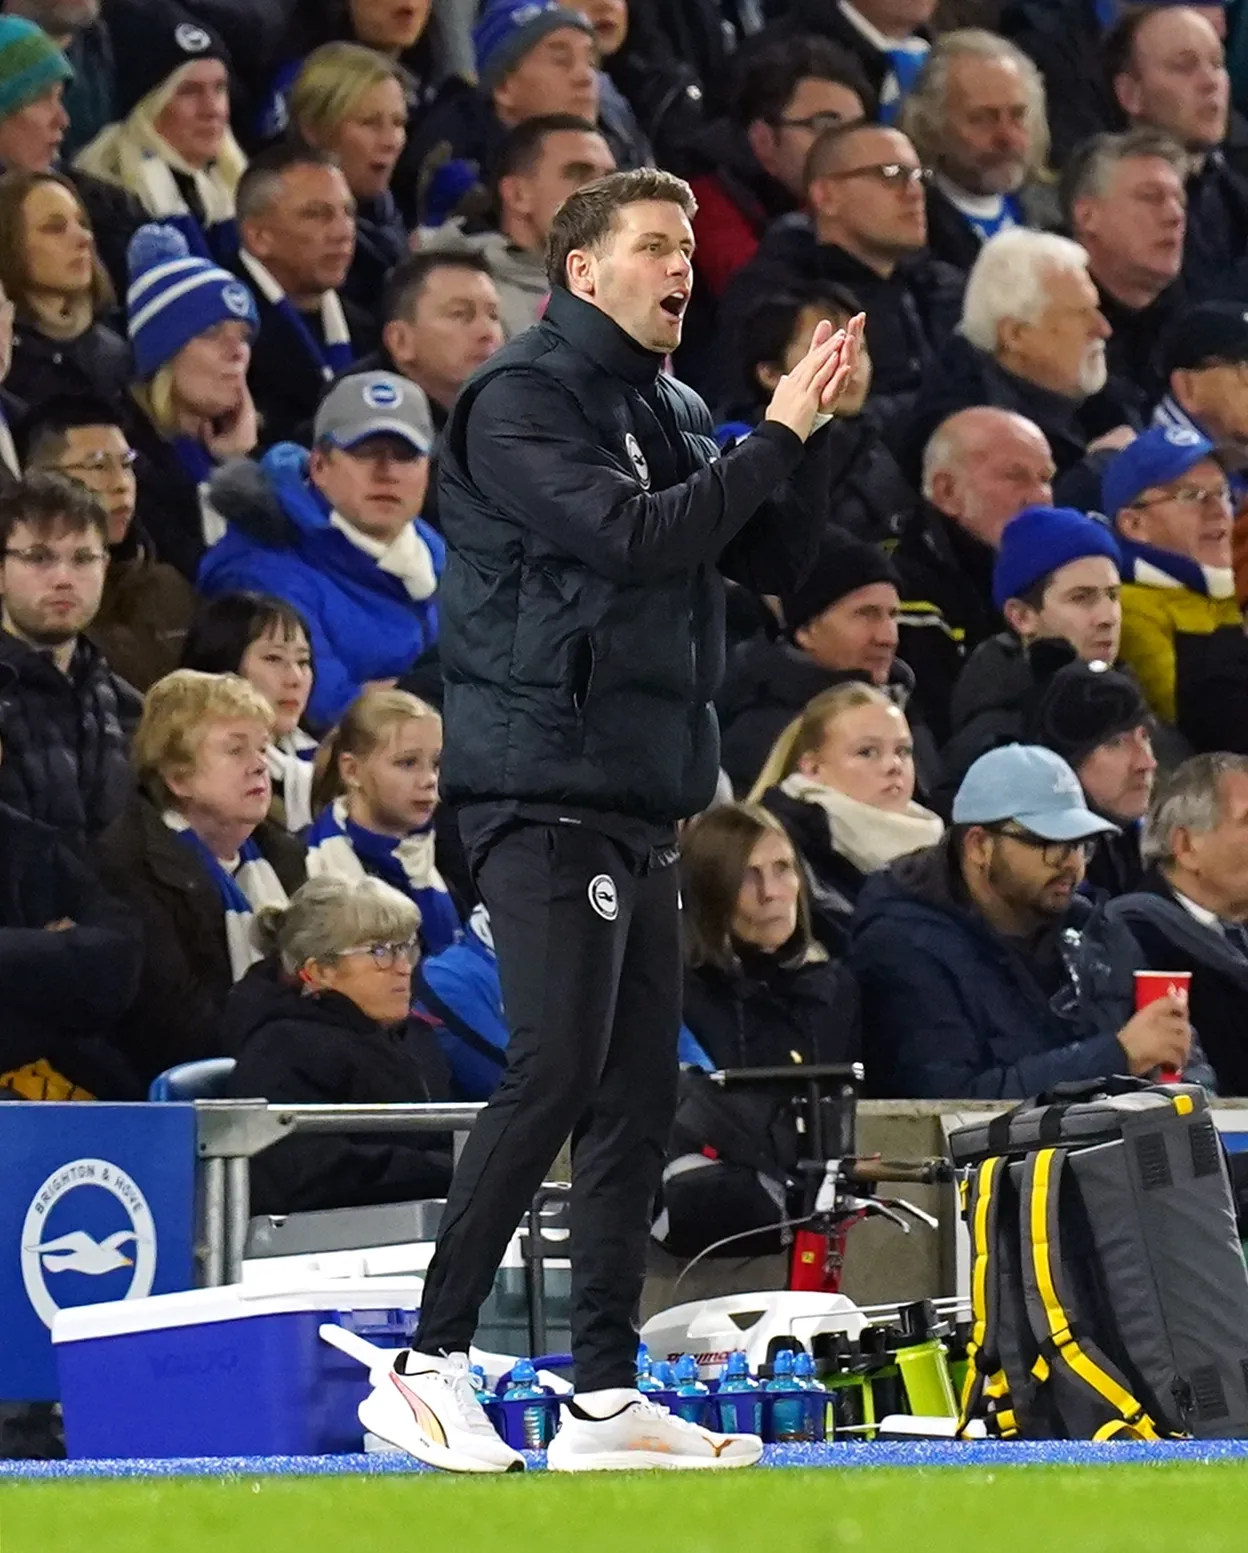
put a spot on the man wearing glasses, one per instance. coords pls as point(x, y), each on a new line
point(147, 605)
point(966, 952)
point(64, 715)
point(867, 231)
point(789, 90)
point(1182, 633)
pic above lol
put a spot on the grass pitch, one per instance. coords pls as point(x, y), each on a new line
point(1146, 1509)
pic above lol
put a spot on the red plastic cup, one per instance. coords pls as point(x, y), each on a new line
point(1152, 985)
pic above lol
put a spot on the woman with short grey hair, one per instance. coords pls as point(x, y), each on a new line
point(324, 1018)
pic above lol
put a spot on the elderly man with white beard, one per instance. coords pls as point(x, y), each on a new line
point(1032, 340)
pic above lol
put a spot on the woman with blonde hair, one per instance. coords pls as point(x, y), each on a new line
point(378, 781)
point(195, 858)
point(61, 295)
point(351, 101)
point(841, 779)
point(191, 326)
point(172, 147)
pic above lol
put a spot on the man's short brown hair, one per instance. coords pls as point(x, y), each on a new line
point(47, 503)
point(587, 217)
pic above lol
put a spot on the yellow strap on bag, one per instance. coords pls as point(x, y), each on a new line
point(978, 1202)
point(1046, 1167)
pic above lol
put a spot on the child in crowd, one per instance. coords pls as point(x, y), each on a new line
point(378, 780)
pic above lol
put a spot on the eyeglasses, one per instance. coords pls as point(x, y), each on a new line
point(386, 956)
point(1190, 496)
point(894, 175)
point(1056, 854)
point(40, 559)
point(103, 463)
point(816, 123)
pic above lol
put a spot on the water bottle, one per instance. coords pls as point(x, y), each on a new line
point(790, 1424)
point(647, 1381)
point(923, 1362)
point(535, 1427)
point(816, 1396)
point(692, 1400)
point(480, 1386)
point(739, 1400)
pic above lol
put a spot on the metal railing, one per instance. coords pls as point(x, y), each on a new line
point(230, 1133)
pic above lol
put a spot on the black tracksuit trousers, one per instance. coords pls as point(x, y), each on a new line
point(588, 943)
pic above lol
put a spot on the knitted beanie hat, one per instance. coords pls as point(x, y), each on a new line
point(1040, 540)
point(174, 297)
point(1075, 707)
point(508, 29)
point(154, 40)
point(29, 64)
point(843, 564)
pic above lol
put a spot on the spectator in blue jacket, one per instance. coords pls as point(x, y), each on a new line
point(337, 533)
point(964, 951)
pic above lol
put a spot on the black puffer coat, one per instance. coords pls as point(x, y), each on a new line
point(65, 738)
point(582, 615)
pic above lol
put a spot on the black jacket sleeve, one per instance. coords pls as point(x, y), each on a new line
point(1211, 689)
point(86, 974)
point(527, 437)
point(777, 546)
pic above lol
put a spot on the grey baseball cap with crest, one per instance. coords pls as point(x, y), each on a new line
point(375, 404)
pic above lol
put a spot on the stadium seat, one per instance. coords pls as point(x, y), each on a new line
point(202, 1080)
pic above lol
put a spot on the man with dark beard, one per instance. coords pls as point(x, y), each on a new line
point(963, 951)
point(64, 716)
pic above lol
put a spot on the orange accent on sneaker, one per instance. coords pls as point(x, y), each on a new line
point(717, 1449)
point(426, 1418)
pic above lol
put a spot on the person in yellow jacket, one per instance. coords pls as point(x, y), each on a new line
point(1182, 631)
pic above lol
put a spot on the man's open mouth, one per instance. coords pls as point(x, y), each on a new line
point(675, 303)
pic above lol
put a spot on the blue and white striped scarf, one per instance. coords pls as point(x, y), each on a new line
point(243, 892)
point(337, 846)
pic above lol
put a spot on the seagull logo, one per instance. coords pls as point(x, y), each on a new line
point(81, 1200)
point(78, 1253)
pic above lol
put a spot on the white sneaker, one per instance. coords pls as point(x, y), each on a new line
point(628, 1431)
point(429, 1409)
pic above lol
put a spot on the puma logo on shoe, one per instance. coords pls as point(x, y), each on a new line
point(426, 1418)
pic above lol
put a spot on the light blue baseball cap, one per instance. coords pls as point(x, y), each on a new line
point(1031, 786)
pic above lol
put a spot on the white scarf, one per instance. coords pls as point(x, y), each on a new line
point(406, 558)
point(870, 838)
point(333, 319)
point(293, 775)
point(245, 886)
point(132, 155)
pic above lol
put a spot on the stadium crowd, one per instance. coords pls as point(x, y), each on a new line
point(987, 759)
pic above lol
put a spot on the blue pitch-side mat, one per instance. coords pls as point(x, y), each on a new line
point(919, 1453)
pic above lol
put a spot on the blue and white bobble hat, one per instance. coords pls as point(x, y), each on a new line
point(174, 297)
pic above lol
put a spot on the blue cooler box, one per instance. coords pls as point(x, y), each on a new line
point(223, 1372)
